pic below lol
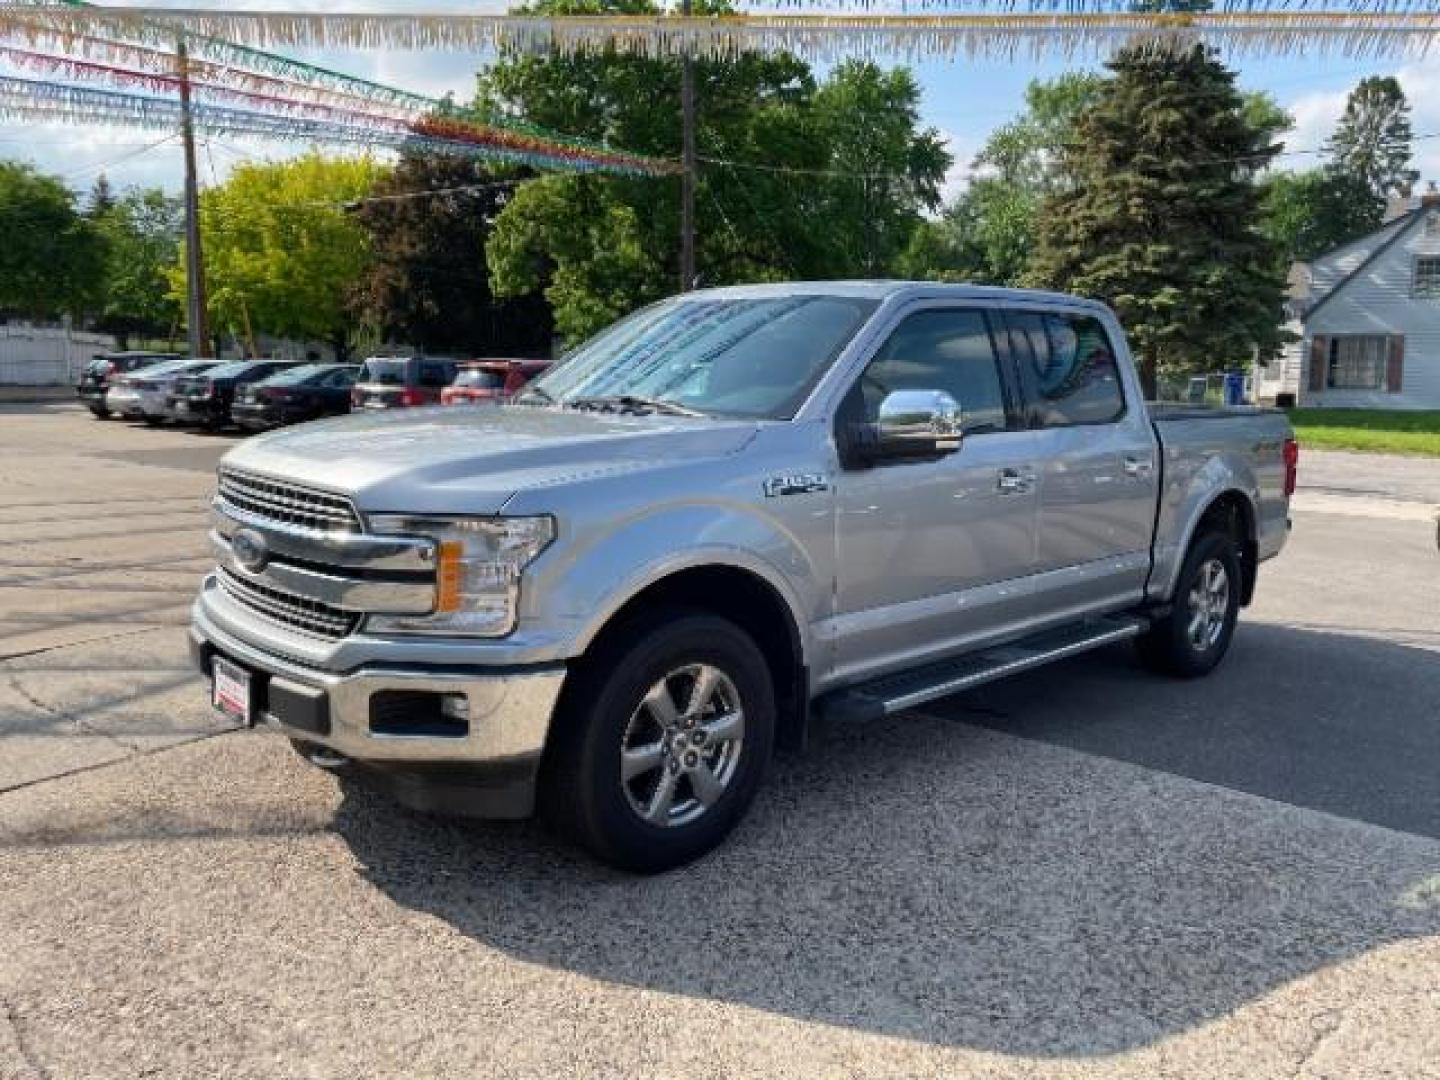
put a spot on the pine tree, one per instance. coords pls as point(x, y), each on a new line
point(102, 198)
point(1372, 139)
point(1163, 222)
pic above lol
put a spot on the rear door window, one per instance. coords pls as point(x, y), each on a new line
point(384, 372)
point(1067, 367)
point(434, 376)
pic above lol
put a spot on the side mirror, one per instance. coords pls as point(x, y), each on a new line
point(912, 424)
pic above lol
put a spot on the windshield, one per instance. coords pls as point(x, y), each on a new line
point(479, 379)
point(235, 367)
point(165, 367)
point(385, 372)
point(291, 376)
point(731, 357)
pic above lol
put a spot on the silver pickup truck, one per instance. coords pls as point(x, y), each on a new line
point(732, 511)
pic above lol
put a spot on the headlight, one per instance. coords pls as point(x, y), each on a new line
point(477, 571)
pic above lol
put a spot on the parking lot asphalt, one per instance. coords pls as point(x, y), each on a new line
point(1087, 871)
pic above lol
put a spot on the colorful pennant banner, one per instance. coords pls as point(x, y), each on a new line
point(30, 99)
point(966, 27)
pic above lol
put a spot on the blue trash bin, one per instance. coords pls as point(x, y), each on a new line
point(1234, 388)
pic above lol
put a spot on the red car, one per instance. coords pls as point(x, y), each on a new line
point(485, 380)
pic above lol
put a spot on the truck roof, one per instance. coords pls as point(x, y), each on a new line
point(883, 289)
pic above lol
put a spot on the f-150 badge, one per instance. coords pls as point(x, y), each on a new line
point(795, 484)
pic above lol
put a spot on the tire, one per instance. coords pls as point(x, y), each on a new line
point(1194, 637)
point(153, 421)
point(100, 414)
point(709, 767)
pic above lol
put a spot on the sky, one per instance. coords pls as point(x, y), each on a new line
point(963, 99)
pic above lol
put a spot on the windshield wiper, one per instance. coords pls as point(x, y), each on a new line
point(634, 403)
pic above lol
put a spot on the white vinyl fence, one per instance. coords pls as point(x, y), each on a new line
point(46, 356)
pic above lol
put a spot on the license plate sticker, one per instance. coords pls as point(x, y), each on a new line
point(230, 690)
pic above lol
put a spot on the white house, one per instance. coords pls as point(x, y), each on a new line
point(1368, 318)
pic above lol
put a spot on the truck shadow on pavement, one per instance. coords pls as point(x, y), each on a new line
point(936, 878)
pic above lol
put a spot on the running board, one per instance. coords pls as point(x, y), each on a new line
point(890, 694)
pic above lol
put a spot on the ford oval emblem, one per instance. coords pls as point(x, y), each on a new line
point(250, 550)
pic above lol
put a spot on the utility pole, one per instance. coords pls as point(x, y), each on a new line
point(687, 165)
point(194, 257)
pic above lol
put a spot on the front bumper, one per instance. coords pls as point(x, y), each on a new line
point(197, 410)
point(125, 402)
point(486, 770)
point(259, 417)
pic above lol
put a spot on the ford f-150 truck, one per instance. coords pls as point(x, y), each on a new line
point(735, 509)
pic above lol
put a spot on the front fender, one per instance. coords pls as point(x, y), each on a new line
point(600, 572)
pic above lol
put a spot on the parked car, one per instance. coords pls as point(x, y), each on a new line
point(307, 392)
point(617, 593)
point(391, 382)
point(141, 394)
point(490, 380)
point(206, 399)
point(94, 384)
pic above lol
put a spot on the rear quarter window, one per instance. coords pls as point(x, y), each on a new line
point(1068, 367)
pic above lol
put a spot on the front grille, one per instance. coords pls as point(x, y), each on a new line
point(287, 609)
point(287, 503)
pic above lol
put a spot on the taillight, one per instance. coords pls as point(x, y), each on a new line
point(411, 396)
point(357, 396)
point(1292, 465)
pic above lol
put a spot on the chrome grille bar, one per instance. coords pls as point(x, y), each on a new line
point(295, 612)
point(288, 504)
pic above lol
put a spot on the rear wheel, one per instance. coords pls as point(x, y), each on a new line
point(663, 740)
point(153, 421)
point(100, 412)
point(1194, 637)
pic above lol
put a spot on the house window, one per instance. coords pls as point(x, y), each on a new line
point(1432, 226)
point(1357, 362)
point(1426, 284)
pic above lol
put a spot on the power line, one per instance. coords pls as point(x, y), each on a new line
point(112, 162)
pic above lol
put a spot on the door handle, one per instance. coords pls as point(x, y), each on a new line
point(1015, 482)
point(1136, 466)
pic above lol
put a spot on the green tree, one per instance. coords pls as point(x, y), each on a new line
point(282, 256)
point(598, 246)
point(1309, 213)
point(102, 197)
point(1028, 152)
point(142, 233)
point(1163, 221)
point(428, 282)
point(885, 169)
point(986, 234)
point(52, 259)
point(1372, 139)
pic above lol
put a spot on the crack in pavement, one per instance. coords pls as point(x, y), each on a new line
point(6, 657)
point(79, 770)
point(22, 1046)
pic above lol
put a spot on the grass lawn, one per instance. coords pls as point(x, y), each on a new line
point(1380, 431)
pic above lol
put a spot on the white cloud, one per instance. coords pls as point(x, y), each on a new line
point(1316, 114)
point(962, 150)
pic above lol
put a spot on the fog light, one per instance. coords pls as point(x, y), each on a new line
point(455, 707)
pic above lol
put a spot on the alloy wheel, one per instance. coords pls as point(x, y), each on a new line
point(681, 748)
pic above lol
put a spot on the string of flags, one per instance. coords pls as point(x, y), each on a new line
point(129, 73)
point(812, 29)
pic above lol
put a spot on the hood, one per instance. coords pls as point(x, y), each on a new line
point(447, 460)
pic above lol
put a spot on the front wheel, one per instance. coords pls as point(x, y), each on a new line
point(1194, 637)
point(663, 740)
